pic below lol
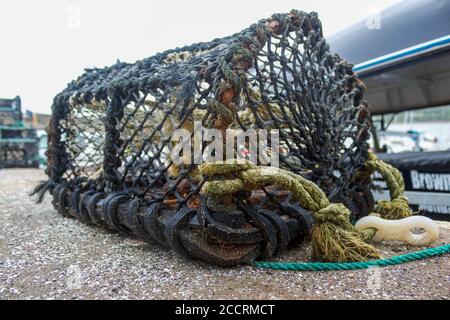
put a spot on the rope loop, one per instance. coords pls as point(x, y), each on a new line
point(398, 207)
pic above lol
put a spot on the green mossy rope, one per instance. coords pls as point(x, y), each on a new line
point(332, 266)
point(333, 237)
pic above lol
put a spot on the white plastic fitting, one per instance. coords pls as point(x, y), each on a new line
point(401, 230)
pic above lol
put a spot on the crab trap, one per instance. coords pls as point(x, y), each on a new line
point(110, 160)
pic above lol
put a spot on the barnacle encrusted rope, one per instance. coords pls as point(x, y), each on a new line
point(334, 238)
point(398, 207)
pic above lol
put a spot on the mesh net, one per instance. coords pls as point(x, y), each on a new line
point(111, 128)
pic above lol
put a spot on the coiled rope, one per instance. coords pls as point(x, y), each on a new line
point(333, 266)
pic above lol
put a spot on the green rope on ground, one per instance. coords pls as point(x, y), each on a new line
point(319, 266)
point(334, 238)
point(398, 207)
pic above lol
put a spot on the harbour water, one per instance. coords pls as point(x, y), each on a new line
point(439, 129)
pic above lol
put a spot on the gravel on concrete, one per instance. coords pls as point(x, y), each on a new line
point(46, 256)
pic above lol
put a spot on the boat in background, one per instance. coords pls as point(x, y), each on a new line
point(405, 63)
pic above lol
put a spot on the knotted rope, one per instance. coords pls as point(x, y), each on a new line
point(334, 238)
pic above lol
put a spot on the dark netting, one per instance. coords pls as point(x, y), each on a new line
point(110, 135)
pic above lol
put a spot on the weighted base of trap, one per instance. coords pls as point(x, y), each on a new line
point(191, 232)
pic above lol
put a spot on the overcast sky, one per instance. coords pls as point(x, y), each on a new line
point(47, 43)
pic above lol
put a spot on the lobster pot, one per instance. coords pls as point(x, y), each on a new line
point(110, 149)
